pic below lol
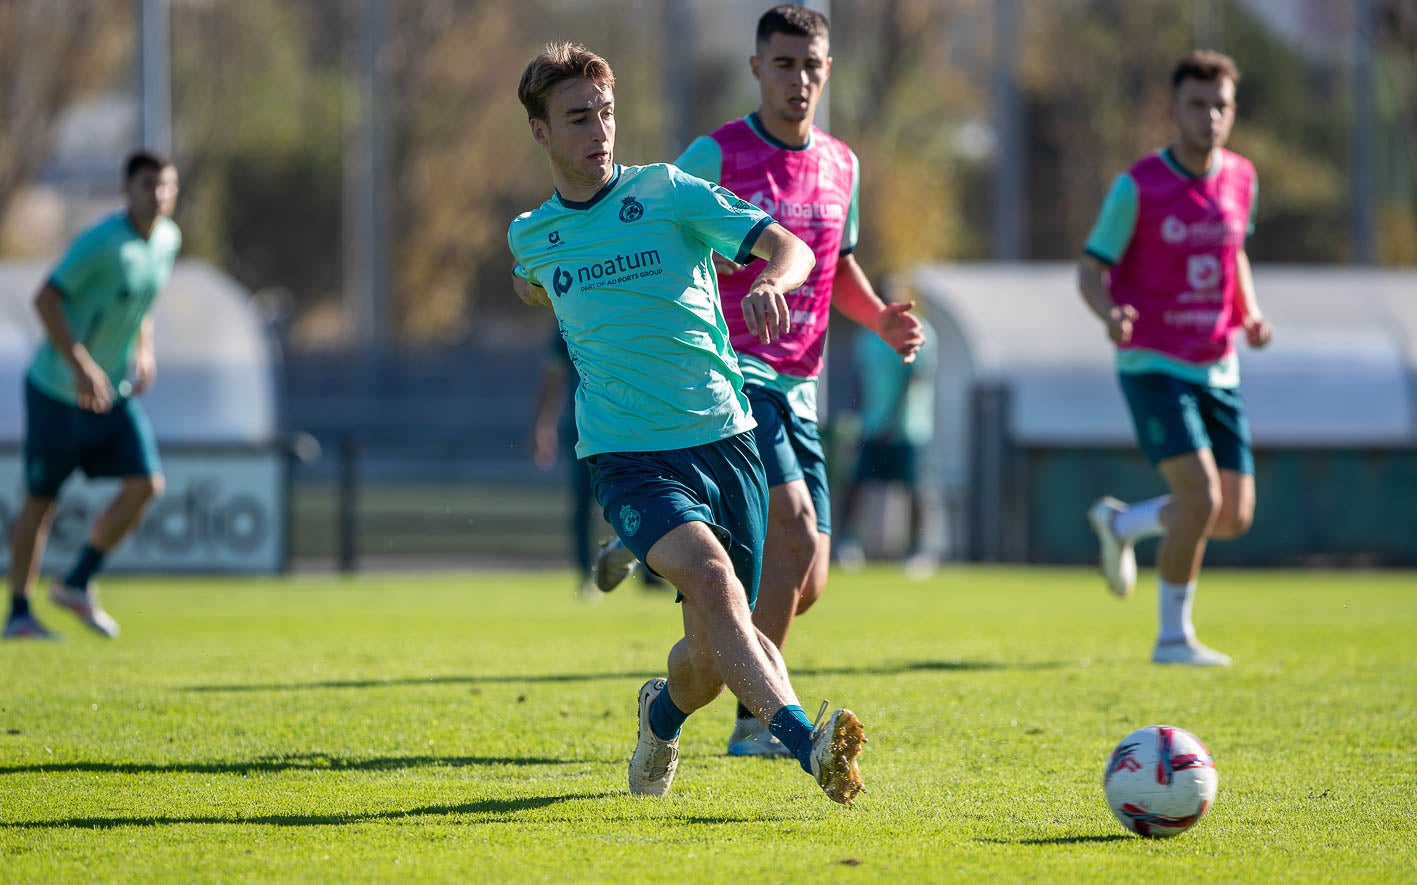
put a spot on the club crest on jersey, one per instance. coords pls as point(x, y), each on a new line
point(631, 210)
point(629, 520)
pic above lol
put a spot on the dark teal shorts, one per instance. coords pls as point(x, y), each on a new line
point(1175, 417)
point(791, 448)
point(61, 438)
point(883, 461)
point(646, 495)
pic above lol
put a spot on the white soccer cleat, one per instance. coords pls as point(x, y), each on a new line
point(1117, 558)
point(654, 761)
point(752, 738)
point(835, 746)
point(613, 564)
point(1187, 651)
point(85, 605)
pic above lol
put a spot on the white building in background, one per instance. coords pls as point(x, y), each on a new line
point(1341, 373)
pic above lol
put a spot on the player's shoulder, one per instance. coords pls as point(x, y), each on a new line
point(107, 233)
point(1237, 162)
point(1149, 163)
point(167, 235)
point(738, 127)
point(533, 218)
point(660, 176)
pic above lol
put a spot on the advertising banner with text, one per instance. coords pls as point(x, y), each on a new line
point(224, 511)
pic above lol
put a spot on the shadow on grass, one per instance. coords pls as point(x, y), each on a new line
point(895, 669)
point(310, 762)
point(487, 809)
point(1061, 840)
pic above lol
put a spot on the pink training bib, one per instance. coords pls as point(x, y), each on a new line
point(1179, 270)
point(808, 192)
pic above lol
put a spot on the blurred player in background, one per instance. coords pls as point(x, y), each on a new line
point(553, 435)
point(81, 410)
point(623, 255)
point(897, 403)
point(776, 159)
point(1165, 269)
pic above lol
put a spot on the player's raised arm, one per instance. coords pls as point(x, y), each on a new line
point(789, 260)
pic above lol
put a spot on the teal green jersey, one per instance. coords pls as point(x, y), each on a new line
point(897, 399)
point(109, 279)
point(630, 276)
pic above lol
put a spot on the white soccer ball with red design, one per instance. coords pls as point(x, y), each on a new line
point(1160, 780)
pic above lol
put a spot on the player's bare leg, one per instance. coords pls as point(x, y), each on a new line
point(119, 518)
point(1191, 515)
point(786, 589)
point(722, 647)
point(28, 537)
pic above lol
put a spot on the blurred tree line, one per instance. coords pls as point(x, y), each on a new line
point(262, 95)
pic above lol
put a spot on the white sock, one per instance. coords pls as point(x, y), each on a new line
point(1141, 520)
point(1174, 611)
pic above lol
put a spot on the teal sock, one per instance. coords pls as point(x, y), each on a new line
point(791, 726)
point(90, 561)
point(665, 718)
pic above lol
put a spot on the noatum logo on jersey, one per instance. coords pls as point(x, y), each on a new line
point(786, 211)
point(610, 272)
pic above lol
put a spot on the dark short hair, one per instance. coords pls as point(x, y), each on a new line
point(1205, 65)
point(794, 20)
point(144, 159)
point(558, 62)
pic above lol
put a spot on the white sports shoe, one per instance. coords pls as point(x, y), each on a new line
point(84, 604)
point(1117, 559)
point(835, 746)
point(752, 738)
point(654, 761)
point(1187, 651)
point(613, 564)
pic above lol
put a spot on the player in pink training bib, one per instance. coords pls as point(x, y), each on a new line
point(1165, 268)
point(809, 182)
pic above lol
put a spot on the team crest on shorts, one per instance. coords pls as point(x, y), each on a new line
point(629, 519)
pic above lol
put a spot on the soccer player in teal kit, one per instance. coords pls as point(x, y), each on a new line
point(80, 406)
point(623, 256)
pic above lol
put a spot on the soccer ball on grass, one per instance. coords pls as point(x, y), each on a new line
point(1160, 780)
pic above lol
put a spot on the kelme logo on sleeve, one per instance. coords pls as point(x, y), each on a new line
point(631, 210)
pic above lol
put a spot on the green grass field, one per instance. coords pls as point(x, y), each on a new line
point(477, 727)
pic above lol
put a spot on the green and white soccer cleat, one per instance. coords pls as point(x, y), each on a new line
point(613, 564)
point(654, 761)
point(1116, 557)
point(1189, 652)
point(84, 604)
